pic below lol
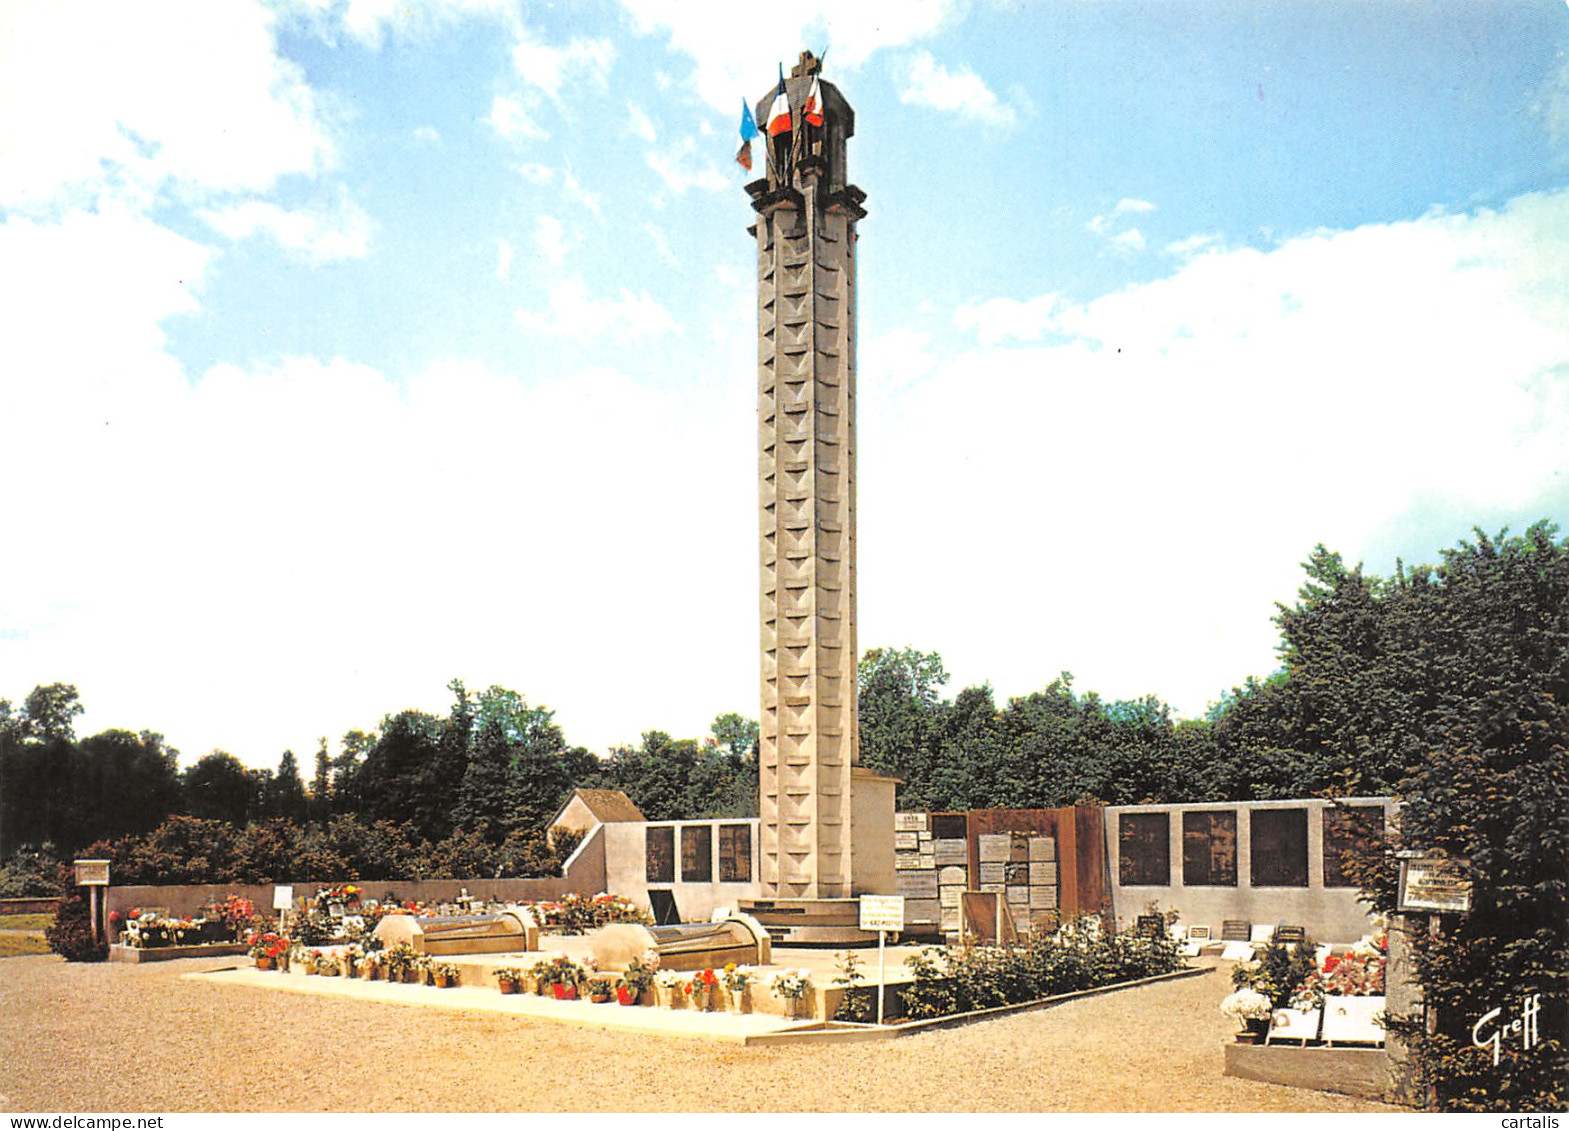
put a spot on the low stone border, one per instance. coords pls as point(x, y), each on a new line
point(121, 953)
point(1360, 1072)
point(832, 1031)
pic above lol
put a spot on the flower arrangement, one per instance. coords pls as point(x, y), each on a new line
point(640, 974)
point(792, 984)
point(268, 945)
point(445, 974)
point(369, 966)
point(399, 959)
point(1277, 972)
point(700, 988)
point(345, 895)
point(736, 978)
point(232, 917)
point(509, 979)
point(1359, 973)
point(324, 963)
point(672, 987)
point(598, 988)
point(559, 970)
point(1246, 1005)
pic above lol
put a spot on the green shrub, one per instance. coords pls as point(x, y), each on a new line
point(1081, 956)
point(71, 934)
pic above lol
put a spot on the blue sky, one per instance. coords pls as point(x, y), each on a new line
point(348, 346)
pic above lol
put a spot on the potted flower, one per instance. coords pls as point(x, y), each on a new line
point(1250, 1009)
point(737, 980)
point(324, 964)
point(349, 960)
point(509, 979)
point(539, 976)
point(672, 988)
point(700, 988)
point(638, 979)
point(598, 988)
point(266, 947)
point(793, 986)
point(563, 976)
point(397, 959)
point(445, 975)
point(370, 966)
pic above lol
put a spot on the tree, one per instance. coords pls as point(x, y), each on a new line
point(219, 788)
point(286, 792)
point(1489, 783)
point(899, 704)
point(321, 785)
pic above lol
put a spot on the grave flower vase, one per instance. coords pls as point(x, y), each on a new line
point(625, 996)
point(264, 962)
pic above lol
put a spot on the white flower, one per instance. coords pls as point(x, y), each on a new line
point(1246, 1005)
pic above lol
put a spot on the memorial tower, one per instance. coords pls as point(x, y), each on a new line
point(826, 822)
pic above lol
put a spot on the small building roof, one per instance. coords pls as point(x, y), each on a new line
point(607, 806)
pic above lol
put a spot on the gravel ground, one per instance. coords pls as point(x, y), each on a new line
point(128, 1038)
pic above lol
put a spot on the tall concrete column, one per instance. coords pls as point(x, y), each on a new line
point(806, 303)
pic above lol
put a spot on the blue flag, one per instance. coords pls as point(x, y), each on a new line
point(748, 123)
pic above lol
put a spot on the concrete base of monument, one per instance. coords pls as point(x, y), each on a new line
point(810, 922)
point(1362, 1072)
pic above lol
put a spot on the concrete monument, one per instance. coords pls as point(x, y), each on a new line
point(826, 822)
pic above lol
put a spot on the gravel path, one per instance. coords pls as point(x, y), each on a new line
point(107, 1038)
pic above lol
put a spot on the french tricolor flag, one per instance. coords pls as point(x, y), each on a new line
point(779, 112)
point(812, 112)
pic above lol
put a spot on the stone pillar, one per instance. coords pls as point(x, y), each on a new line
point(807, 213)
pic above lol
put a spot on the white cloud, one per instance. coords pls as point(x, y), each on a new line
point(370, 21)
point(1113, 225)
point(926, 82)
point(117, 82)
point(575, 191)
point(1315, 392)
point(997, 320)
point(735, 49)
point(549, 68)
point(535, 173)
point(428, 134)
point(681, 169)
point(325, 234)
point(638, 123)
point(513, 118)
point(550, 235)
point(504, 255)
point(1193, 245)
point(661, 243)
point(573, 313)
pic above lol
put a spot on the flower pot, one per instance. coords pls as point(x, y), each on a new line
point(264, 962)
point(625, 996)
point(735, 1001)
point(564, 992)
point(599, 999)
point(445, 981)
point(506, 985)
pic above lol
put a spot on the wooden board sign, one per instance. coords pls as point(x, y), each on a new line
point(92, 873)
point(1434, 883)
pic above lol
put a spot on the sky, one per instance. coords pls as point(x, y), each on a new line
point(348, 347)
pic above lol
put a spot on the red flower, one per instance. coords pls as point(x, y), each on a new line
point(1330, 963)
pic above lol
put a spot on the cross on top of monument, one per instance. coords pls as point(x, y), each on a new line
point(809, 65)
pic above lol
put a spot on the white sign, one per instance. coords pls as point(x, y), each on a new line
point(1434, 883)
point(92, 873)
point(282, 897)
point(882, 913)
